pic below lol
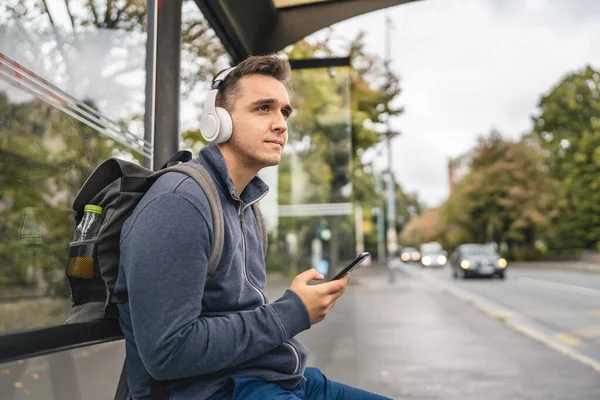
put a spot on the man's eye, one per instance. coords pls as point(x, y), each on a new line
point(286, 114)
point(263, 108)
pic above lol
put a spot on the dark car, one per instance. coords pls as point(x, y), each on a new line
point(477, 260)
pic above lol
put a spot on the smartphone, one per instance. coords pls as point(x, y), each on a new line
point(355, 263)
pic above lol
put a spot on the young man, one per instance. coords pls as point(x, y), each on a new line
point(217, 336)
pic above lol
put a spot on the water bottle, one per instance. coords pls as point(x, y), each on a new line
point(81, 256)
point(89, 224)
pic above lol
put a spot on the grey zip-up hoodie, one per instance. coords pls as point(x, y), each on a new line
point(194, 331)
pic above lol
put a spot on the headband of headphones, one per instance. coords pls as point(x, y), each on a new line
point(215, 123)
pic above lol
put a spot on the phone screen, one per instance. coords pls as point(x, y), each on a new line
point(355, 263)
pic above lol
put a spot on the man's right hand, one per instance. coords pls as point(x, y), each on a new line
point(318, 299)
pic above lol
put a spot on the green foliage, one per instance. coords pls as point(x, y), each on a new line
point(337, 110)
point(45, 157)
point(508, 197)
point(568, 130)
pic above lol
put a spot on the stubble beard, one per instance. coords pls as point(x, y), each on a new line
point(252, 159)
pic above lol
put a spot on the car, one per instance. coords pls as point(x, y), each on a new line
point(475, 259)
point(410, 254)
point(433, 255)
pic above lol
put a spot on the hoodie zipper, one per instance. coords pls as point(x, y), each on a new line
point(263, 299)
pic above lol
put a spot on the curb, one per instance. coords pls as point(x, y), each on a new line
point(508, 317)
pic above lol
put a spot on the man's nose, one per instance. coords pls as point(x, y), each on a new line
point(279, 124)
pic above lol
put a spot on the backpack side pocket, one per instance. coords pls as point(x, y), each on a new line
point(87, 286)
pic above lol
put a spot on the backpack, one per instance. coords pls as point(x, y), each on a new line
point(117, 186)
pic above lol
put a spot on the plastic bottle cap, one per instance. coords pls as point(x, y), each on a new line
point(92, 208)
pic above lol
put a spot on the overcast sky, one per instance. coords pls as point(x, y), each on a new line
point(470, 65)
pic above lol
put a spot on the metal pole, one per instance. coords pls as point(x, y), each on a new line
point(168, 62)
point(358, 227)
point(380, 225)
point(392, 236)
point(150, 106)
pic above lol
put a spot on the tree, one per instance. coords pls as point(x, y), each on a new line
point(102, 50)
point(337, 131)
point(568, 130)
point(508, 197)
point(45, 157)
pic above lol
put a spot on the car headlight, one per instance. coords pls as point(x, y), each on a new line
point(426, 260)
point(465, 264)
point(502, 263)
point(416, 256)
point(405, 256)
point(441, 260)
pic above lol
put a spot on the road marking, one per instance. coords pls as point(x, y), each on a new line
point(558, 346)
point(589, 332)
point(563, 287)
point(567, 339)
point(552, 342)
point(537, 313)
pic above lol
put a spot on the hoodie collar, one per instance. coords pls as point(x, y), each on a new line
point(211, 157)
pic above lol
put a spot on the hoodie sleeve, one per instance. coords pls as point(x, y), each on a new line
point(164, 256)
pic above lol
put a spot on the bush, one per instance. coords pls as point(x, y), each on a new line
point(526, 254)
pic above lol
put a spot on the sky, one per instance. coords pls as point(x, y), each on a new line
point(469, 66)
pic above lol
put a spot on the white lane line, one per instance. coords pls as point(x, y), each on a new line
point(563, 287)
point(508, 317)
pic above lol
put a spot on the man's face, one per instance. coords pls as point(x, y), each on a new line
point(259, 118)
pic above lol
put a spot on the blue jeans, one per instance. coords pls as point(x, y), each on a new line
point(316, 387)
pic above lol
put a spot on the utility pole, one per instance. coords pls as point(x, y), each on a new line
point(392, 235)
point(380, 224)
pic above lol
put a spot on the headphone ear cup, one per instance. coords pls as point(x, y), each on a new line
point(226, 125)
point(209, 123)
point(208, 127)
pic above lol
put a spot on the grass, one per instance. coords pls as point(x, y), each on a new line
point(29, 314)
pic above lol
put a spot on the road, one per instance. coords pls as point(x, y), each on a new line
point(429, 337)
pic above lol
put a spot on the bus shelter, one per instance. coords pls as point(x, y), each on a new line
point(245, 28)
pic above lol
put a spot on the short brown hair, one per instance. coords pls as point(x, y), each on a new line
point(269, 65)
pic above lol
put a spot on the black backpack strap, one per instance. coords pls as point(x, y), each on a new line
point(205, 181)
point(262, 227)
point(180, 156)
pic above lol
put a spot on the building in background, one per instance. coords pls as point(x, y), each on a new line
point(457, 169)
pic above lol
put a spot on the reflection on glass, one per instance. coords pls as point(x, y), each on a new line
point(309, 212)
point(71, 95)
point(90, 373)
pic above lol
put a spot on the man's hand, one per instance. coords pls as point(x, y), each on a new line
point(318, 299)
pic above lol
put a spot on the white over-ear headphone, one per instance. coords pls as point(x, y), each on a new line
point(215, 123)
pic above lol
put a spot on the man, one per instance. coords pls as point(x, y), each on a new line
point(195, 336)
